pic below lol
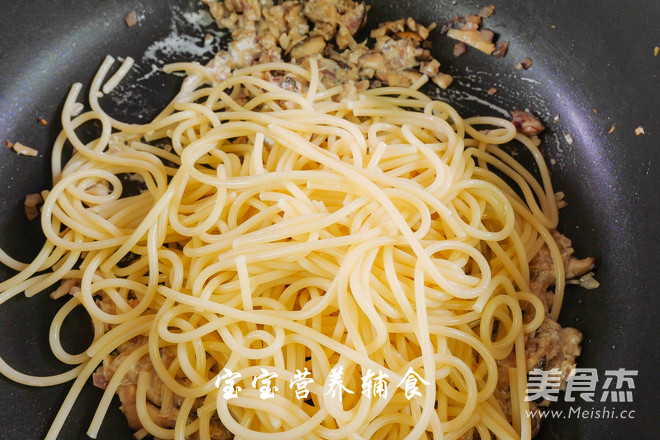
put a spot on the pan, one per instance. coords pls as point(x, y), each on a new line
point(593, 80)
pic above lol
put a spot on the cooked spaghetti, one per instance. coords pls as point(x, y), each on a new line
point(286, 230)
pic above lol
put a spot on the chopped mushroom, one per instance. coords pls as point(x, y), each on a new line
point(131, 18)
point(501, 49)
point(559, 198)
point(31, 212)
point(526, 123)
point(390, 27)
point(430, 68)
point(450, 24)
point(21, 149)
point(470, 26)
point(409, 34)
point(472, 38)
point(100, 189)
point(468, 30)
point(412, 75)
point(487, 35)
point(425, 31)
point(353, 16)
point(471, 18)
point(588, 281)
point(344, 38)
point(32, 202)
point(459, 49)
point(308, 47)
point(487, 11)
point(525, 63)
point(69, 286)
point(443, 80)
point(397, 79)
point(372, 60)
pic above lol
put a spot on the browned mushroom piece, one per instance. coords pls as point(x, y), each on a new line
point(459, 49)
point(389, 27)
point(526, 123)
point(423, 31)
point(487, 35)
point(430, 68)
point(443, 80)
point(473, 38)
point(408, 35)
point(501, 49)
point(32, 202)
point(344, 39)
point(525, 63)
point(470, 26)
point(471, 18)
point(487, 11)
point(307, 47)
point(21, 149)
point(397, 80)
point(131, 18)
point(372, 60)
point(354, 16)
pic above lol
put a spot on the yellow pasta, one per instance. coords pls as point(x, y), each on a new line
point(290, 230)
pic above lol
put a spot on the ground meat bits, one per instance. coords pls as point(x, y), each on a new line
point(32, 202)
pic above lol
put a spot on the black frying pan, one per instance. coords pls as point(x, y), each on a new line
point(593, 64)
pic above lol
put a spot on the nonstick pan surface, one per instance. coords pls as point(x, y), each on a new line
point(593, 66)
